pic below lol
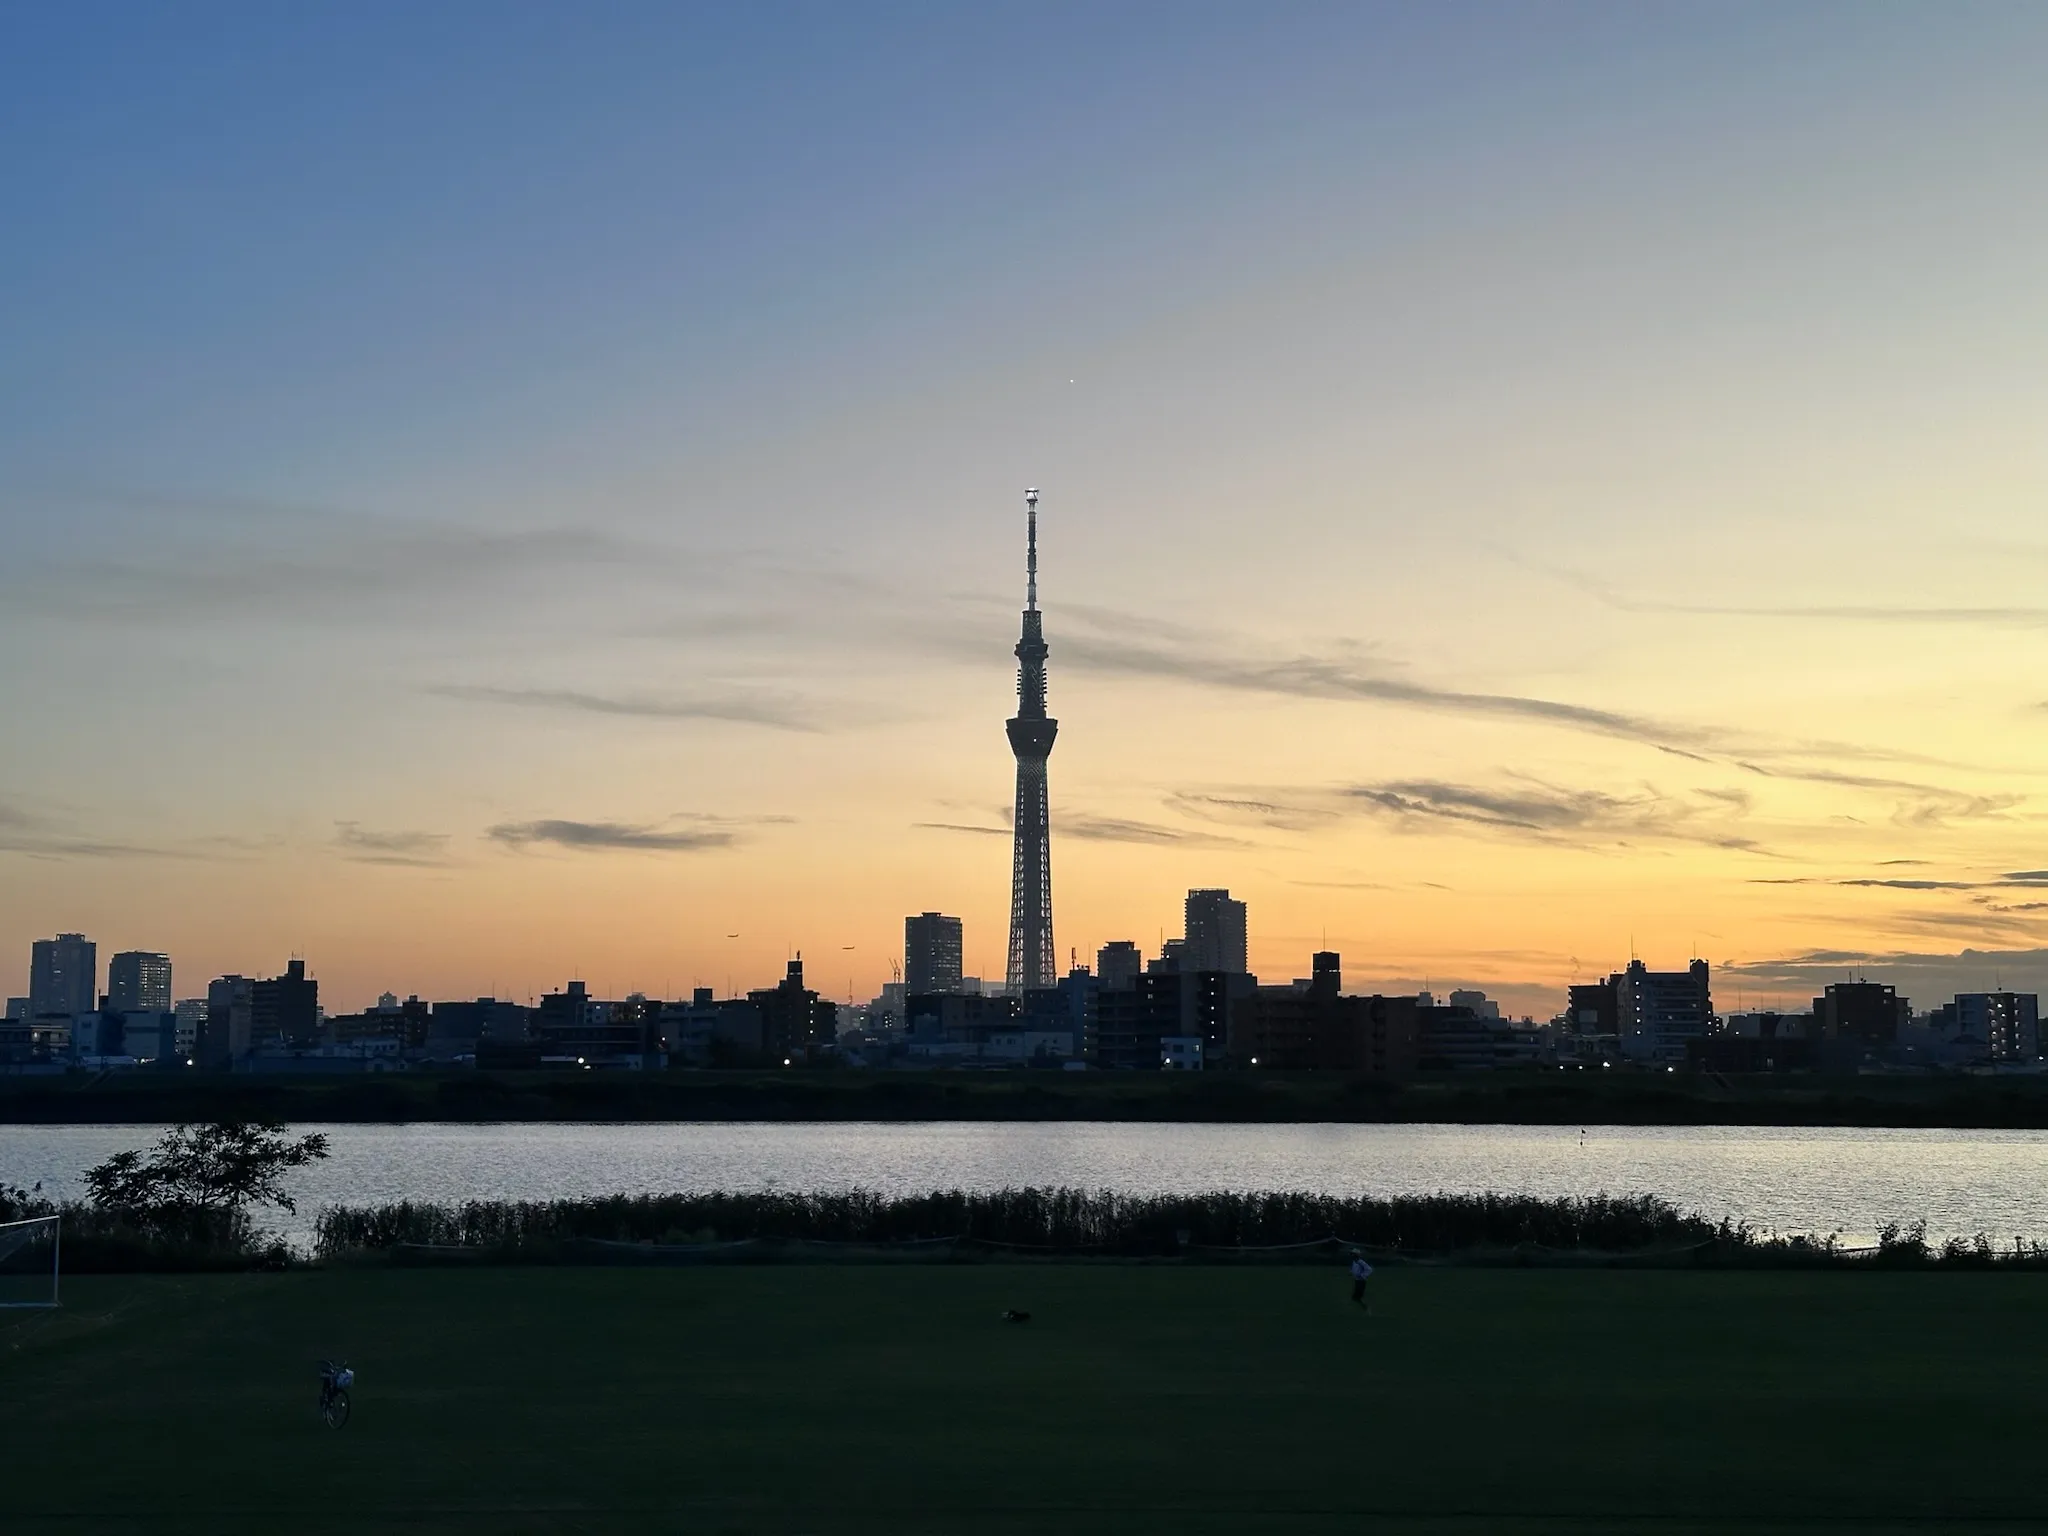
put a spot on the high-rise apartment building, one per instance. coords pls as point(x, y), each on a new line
point(1118, 965)
point(931, 954)
point(285, 1010)
point(1659, 1011)
point(1594, 1008)
point(139, 981)
point(2009, 1023)
point(224, 1035)
point(1214, 935)
point(63, 976)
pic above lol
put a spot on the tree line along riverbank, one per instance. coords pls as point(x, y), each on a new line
point(1533, 1097)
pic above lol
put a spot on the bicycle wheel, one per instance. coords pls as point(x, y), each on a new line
point(334, 1409)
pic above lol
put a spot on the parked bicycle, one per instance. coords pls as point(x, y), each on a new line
point(335, 1380)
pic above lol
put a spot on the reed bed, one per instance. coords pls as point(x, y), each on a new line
point(1217, 1225)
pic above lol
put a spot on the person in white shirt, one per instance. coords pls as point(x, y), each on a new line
point(1360, 1273)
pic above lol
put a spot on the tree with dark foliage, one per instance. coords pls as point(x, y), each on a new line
point(198, 1172)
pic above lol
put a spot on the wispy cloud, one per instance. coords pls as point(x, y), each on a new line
point(1107, 643)
point(1091, 828)
point(779, 712)
point(1550, 813)
point(1914, 885)
point(1976, 922)
point(1100, 828)
point(38, 835)
point(613, 835)
point(2020, 879)
point(1517, 806)
point(232, 562)
point(960, 826)
point(1119, 829)
point(1329, 677)
point(1281, 815)
point(416, 850)
point(2007, 615)
point(1926, 977)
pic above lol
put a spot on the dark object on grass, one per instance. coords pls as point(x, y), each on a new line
point(1014, 1316)
point(335, 1380)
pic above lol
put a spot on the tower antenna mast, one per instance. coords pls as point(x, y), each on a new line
point(1031, 549)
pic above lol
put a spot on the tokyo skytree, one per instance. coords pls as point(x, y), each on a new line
point(1031, 734)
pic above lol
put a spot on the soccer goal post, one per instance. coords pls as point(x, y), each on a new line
point(31, 1257)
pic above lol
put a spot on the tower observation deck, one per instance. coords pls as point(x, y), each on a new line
point(1031, 735)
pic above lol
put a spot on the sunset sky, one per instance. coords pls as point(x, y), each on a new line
point(497, 493)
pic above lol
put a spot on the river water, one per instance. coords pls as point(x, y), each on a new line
point(1791, 1179)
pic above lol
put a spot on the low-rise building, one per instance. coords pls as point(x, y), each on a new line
point(1861, 1014)
point(713, 1032)
point(1316, 1028)
point(572, 1028)
point(1129, 1023)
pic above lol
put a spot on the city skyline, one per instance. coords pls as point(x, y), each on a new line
point(1530, 491)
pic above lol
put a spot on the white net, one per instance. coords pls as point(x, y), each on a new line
point(29, 1258)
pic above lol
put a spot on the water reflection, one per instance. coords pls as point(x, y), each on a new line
point(1793, 1179)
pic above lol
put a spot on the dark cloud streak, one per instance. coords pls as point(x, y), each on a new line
point(745, 709)
point(412, 850)
point(1547, 813)
point(609, 836)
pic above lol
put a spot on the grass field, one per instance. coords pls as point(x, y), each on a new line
point(816, 1398)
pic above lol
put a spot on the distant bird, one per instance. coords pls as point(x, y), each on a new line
point(1014, 1316)
point(732, 935)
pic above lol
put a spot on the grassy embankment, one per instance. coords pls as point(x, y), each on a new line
point(1523, 1097)
point(828, 1398)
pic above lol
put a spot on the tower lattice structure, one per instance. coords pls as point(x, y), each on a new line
point(1031, 736)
